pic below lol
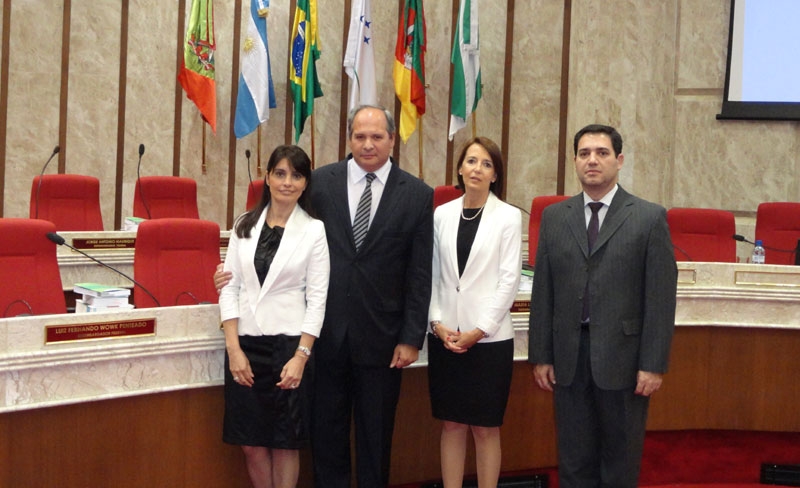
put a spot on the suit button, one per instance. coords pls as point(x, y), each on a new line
point(458, 288)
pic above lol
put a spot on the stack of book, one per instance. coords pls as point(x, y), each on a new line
point(101, 298)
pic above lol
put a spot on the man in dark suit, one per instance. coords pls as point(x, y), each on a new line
point(377, 308)
point(602, 316)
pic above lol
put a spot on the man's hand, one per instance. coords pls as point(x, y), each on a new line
point(647, 383)
point(404, 355)
point(545, 376)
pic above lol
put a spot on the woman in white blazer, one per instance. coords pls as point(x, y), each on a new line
point(476, 273)
point(272, 310)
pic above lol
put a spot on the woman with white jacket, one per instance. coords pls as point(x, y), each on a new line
point(272, 310)
point(476, 273)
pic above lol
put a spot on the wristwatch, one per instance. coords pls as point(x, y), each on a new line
point(304, 350)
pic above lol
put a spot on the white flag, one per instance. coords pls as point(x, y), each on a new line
point(466, 55)
point(359, 60)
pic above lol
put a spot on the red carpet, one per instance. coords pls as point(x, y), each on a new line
point(714, 456)
point(704, 458)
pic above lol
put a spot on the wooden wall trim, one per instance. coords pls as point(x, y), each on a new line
point(235, 68)
point(344, 83)
point(64, 92)
point(562, 120)
point(448, 164)
point(178, 112)
point(4, 49)
point(289, 126)
point(122, 97)
point(509, 66)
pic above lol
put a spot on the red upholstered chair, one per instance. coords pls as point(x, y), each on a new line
point(31, 281)
point(702, 234)
point(254, 191)
point(537, 207)
point(445, 193)
point(778, 226)
point(175, 260)
point(158, 197)
point(72, 202)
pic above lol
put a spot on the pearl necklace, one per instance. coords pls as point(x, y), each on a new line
point(474, 216)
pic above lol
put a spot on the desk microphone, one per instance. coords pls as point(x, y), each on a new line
point(247, 155)
point(191, 295)
point(39, 186)
point(139, 182)
point(61, 242)
point(20, 300)
point(686, 254)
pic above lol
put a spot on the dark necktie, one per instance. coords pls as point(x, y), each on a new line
point(591, 231)
point(361, 222)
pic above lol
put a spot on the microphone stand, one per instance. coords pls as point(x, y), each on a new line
point(61, 242)
point(139, 182)
point(247, 155)
point(56, 150)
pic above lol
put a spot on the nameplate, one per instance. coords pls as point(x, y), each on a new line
point(55, 334)
point(521, 306)
point(105, 243)
point(223, 242)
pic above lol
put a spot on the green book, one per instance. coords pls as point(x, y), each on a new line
point(98, 290)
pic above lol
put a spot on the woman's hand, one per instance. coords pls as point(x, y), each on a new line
point(449, 337)
point(463, 341)
point(221, 278)
point(292, 372)
point(240, 367)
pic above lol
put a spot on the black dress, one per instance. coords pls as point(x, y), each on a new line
point(470, 388)
point(265, 415)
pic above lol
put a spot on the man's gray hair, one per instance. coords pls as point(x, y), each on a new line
point(390, 126)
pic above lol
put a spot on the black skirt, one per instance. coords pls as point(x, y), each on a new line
point(265, 415)
point(470, 388)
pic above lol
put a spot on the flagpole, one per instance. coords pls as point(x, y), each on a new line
point(203, 163)
point(313, 132)
point(474, 125)
point(258, 150)
point(419, 145)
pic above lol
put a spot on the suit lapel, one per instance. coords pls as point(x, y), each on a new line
point(292, 235)
point(450, 229)
point(618, 212)
point(386, 207)
point(485, 227)
point(577, 223)
point(339, 200)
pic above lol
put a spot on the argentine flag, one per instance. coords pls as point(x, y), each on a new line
point(256, 93)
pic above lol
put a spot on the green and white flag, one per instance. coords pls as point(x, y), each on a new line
point(466, 89)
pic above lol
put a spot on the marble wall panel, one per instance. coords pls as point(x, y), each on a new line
point(532, 166)
point(733, 165)
point(150, 92)
point(211, 178)
point(653, 69)
point(622, 74)
point(34, 85)
point(435, 122)
point(702, 43)
point(93, 102)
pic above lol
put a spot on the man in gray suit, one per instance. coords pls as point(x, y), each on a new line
point(602, 316)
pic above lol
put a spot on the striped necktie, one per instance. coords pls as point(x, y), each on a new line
point(361, 222)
